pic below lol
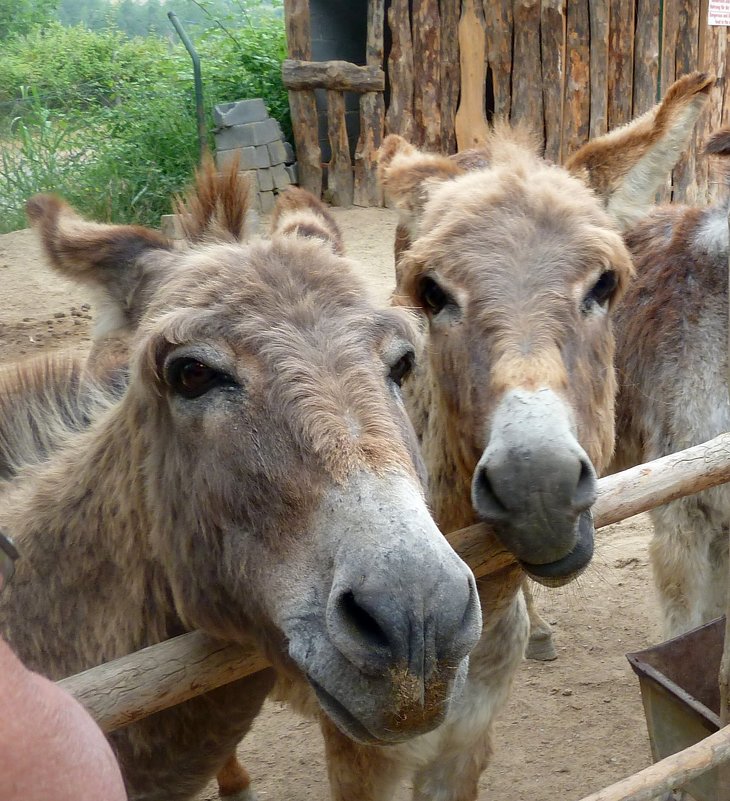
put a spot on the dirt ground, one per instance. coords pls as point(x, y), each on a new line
point(572, 726)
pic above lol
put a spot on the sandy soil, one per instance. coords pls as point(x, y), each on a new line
point(572, 726)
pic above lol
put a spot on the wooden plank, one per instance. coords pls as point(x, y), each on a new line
point(368, 191)
point(726, 94)
point(426, 31)
point(552, 46)
point(686, 60)
point(577, 114)
point(340, 181)
point(399, 116)
point(713, 57)
point(599, 12)
point(620, 62)
point(527, 105)
point(155, 678)
point(303, 105)
point(646, 56)
point(471, 120)
point(724, 676)
point(298, 31)
point(305, 125)
point(375, 45)
point(499, 25)
point(450, 73)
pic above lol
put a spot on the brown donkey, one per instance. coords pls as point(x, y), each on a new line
point(257, 479)
point(513, 266)
point(672, 361)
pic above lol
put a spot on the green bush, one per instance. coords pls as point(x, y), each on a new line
point(78, 70)
point(110, 122)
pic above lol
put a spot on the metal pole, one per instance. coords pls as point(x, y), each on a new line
point(198, 79)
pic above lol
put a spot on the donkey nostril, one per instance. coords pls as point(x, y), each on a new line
point(487, 502)
point(586, 490)
point(366, 626)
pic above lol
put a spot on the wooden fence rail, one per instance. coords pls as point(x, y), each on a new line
point(130, 688)
point(673, 771)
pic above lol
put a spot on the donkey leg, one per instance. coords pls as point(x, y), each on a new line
point(540, 646)
point(454, 775)
point(359, 772)
point(717, 590)
point(462, 746)
point(679, 554)
point(234, 783)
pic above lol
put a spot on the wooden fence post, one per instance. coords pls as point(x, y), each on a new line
point(368, 191)
point(302, 103)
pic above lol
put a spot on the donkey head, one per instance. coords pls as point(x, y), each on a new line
point(278, 466)
point(516, 264)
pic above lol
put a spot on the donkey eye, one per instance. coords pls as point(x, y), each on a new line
point(602, 290)
point(431, 295)
point(400, 369)
point(191, 378)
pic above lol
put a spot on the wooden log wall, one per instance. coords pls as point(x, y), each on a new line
point(571, 69)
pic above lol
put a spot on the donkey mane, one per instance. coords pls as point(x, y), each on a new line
point(44, 402)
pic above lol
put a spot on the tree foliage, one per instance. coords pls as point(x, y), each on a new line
point(109, 119)
point(18, 17)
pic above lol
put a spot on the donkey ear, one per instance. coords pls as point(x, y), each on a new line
point(626, 167)
point(719, 143)
point(106, 258)
point(406, 173)
point(218, 207)
point(85, 251)
point(299, 213)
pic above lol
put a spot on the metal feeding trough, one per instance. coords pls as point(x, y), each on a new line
point(681, 696)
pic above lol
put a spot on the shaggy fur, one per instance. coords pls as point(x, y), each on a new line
point(231, 511)
point(45, 400)
point(518, 245)
point(672, 363)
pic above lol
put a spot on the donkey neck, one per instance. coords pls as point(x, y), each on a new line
point(449, 472)
point(82, 527)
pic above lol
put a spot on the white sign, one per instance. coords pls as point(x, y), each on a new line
point(718, 12)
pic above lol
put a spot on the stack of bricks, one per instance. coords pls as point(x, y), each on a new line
point(246, 132)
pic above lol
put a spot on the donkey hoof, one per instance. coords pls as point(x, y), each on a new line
point(243, 795)
point(541, 648)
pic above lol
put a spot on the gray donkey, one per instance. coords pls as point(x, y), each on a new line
point(256, 477)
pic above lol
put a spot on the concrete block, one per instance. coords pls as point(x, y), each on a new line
point(170, 226)
point(253, 178)
point(262, 157)
point(280, 176)
point(246, 158)
point(277, 152)
point(249, 135)
point(293, 173)
point(240, 112)
point(267, 201)
point(290, 157)
point(266, 180)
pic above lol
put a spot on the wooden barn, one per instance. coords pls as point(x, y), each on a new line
point(436, 72)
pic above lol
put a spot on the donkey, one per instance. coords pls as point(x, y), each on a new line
point(513, 266)
point(257, 479)
point(672, 361)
